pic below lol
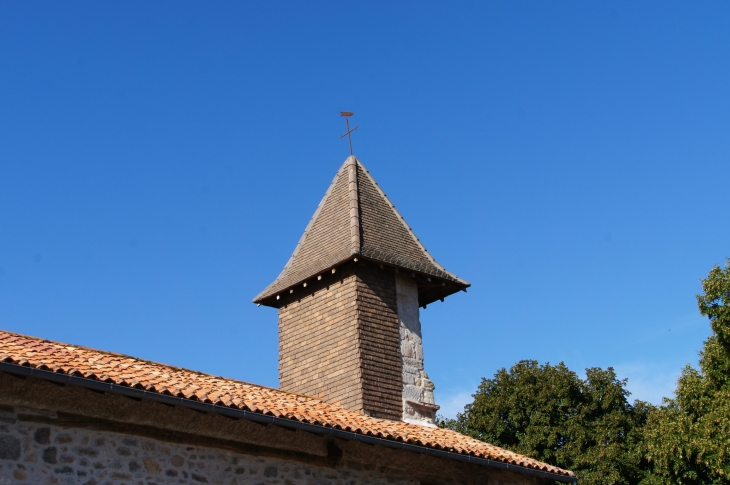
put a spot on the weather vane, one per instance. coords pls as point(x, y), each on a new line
point(347, 115)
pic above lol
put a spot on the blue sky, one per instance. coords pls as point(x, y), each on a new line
point(159, 161)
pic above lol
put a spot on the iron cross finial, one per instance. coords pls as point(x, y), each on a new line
point(347, 115)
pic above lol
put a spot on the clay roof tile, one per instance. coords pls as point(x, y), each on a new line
point(18, 349)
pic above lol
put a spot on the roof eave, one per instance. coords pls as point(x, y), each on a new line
point(450, 283)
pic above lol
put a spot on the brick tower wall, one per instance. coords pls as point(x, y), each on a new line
point(318, 341)
point(339, 341)
point(379, 342)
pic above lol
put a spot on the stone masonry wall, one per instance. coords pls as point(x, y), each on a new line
point(318, 335)
point(419, 406)
point(379, 342)
point(33, 453)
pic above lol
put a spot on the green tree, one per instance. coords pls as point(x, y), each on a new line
point(688, 438)
point(549, 413)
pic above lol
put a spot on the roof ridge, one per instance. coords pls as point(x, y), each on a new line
point(354, 195)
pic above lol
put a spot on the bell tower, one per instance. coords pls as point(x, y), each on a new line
point(349, 300)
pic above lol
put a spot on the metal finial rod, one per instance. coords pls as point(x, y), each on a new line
point(347, 115)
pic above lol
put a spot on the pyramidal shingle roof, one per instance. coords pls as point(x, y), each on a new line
point(356, 218)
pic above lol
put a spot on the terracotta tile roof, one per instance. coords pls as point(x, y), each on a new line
point(355, 217)
point(150, 376)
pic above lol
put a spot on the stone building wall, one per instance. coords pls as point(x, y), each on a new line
point(419, 406)
point(32, 453)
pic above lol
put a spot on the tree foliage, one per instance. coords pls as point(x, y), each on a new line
point(588, 426)
point(688, 438)
point(549, 413)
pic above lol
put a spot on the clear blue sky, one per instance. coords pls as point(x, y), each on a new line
point(159, 161)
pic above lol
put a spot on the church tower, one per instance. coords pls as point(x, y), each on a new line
point(349, 299)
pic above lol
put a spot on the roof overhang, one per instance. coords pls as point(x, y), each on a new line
point(431, 287)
